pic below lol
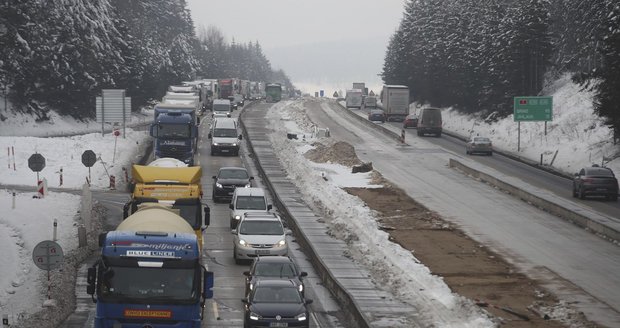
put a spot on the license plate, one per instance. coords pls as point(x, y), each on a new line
point(278, 324)
point(225, 150)
point(230, 193)
point(264, 252)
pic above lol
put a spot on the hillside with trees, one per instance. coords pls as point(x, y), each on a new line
point(60, 54)
point(476, 55)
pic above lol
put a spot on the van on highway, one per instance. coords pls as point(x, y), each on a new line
point(429, 121)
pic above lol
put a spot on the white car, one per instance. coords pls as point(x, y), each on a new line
point(247, 200)
point(259, 234)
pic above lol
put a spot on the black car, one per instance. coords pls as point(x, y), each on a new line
point(595, 181)
point(227, 179)
point(274, 267)
point(376, 115)
point(276, 303)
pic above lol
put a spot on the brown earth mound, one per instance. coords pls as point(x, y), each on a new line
point(339, 153)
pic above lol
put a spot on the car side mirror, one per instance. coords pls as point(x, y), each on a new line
point(209, 136)
point(244, 301)
point(269, 207)
point(251, 178)
point(214, 177)
point(240, 137)
point(231, 206)
point(303, 274)
point(246, 273)
point(309, 301)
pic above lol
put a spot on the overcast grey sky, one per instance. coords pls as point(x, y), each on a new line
point(311, 29)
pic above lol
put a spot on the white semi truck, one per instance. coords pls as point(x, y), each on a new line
point(395, 102)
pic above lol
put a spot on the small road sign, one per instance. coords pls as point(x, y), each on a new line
point(89, 158)
point(47, 255)
point(533, 109)
point(116, 133)
point(36, 162)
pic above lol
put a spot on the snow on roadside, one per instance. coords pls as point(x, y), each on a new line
point(350, 220)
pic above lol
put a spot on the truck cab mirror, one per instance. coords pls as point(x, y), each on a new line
point(207, 217)
point(231, 206)
point(208, 285)
point(251, 178)
point(240, 137)
point(269, 207)
point(152, 130)
point(194, 132)
point(102, 238)
point(209, 135)
point(303, 274)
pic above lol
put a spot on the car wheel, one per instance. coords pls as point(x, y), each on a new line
point(582, 194)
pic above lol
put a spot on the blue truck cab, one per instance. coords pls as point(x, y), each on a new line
point(175, 129)
point(150, 278)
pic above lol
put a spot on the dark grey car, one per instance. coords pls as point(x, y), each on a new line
point(227, 179)
point(595, 181)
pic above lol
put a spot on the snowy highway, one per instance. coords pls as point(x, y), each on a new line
point(572, 262)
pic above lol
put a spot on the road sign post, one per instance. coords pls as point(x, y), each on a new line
point(88, 159)
point(48, 255)
point(532, 109)
point(36, 162)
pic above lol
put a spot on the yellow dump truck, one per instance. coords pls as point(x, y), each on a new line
point(169, 181)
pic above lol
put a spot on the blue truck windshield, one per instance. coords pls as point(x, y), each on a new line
point(136, 284)
point(173, 131)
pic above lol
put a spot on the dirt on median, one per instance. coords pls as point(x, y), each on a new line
point(468, 268)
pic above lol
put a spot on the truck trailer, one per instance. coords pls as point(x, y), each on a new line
point(395, 102)
point(149, 273)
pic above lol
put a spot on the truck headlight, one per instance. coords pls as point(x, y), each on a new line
point(215, 144)
point(218, 185)
point(301, 288)
point(234, 144)
point(248, 185)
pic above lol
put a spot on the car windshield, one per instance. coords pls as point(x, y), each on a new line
point(260, 227)
point(251, 203)
point(276, 295)
point(233, 174)
point(225, 133)
point(600, 172)
point(221, 108)
point(481, 140)
point(274, 270)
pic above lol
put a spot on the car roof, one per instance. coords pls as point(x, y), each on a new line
point(231, 168)
point(253, 191)
point(250, 216)
point(274, 259)
point(221, 101)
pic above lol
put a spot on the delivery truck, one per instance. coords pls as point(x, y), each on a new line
point(395, 102)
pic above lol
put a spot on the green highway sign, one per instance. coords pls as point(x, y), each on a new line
point(533, 109)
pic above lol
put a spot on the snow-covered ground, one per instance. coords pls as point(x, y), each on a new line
point(579, 138)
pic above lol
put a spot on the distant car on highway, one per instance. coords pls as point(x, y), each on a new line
point(259, 234)
point(376, 115)
point(595, 181)
point(480, 145)
point(411, 121)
